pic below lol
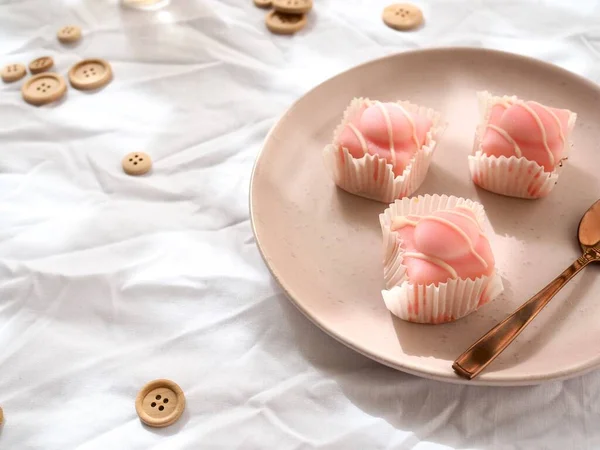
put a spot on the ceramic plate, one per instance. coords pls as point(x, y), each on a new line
point(323, 245)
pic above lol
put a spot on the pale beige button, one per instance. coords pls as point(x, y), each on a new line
point(13, 72)
point(402, 16)
point(160, 403)
point(40, 65)
point(44, 88)
point(293, 6)
point(90, 74)
point(283, 23)
point(137, 163)
point(69, 34)
point(262, 3)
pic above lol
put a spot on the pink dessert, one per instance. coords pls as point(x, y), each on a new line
point(438, 264)
point(446, 244)
point(526, 129)
point(387, 130)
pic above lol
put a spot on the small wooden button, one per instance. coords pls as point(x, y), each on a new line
point(44, 88)
point(69, 34)
point(293, 6)
point(90, 74)
point(262, 3)
point(283, 23)
point(13, 72)
point(402, 16)
point(160, 403)
point(40, 65)
point(137, 163)
point(1, 416)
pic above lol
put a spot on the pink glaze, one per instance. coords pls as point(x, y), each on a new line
point(527, 129)
point(387, 130)
point(446, 244)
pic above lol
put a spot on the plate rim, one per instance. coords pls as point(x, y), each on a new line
point(484, 379)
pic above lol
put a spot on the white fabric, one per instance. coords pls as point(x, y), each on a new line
point(108, 281)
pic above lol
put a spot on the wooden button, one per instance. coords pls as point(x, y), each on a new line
point(402, 16)
point(1, 416)
point(283, 23)
point(262, 3)
point(90, 74)
point(293, 6)
point(69, 34)
point(160, 403)
point(44, 88)
point(13, 72)
point(137, 163)
point(40, 65)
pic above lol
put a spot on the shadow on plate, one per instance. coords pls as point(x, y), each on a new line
point(538, 338)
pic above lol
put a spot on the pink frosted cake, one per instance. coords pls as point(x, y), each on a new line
point(381, 150)
point(519, 146)
point(438, 264)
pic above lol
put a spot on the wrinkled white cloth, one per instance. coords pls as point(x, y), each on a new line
point(108, 281)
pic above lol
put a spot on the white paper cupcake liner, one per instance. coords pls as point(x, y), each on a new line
point(515, 177)
point(372, 177)
point(430, 304)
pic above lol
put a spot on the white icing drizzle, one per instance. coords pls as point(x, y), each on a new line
point(463, 234)
point(556, 119)
point(360, 138)
point(508, 138)
point(412, 123)
point(537, 119)
point(401, 222)
point(466, 216)
point(438, 262)
point(388, 122)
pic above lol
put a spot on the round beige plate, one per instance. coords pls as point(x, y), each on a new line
point(402, 16)
point(262, 3)
point(44, 88)
point(324, 245)
point(13, 72)
point(282, 23)
point(40, 65)
point(69, 34)
point(90, 74)
point(160, 403)
point(293, 6)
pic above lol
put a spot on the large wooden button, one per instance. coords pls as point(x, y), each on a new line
point(44, 88)
point(293, 6)
point(160, 403)
point(69, 34)
point(40, 65)
point(137, 163)
point(262, 3)
point(283, 23)
point(402, 16)
point(13, 72)
point(90, 74)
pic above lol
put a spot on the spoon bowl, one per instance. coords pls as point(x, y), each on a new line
point(588, 231)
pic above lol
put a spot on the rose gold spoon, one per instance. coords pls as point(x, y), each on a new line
point(489, 346)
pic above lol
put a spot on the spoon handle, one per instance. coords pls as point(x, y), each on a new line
point(490, 345)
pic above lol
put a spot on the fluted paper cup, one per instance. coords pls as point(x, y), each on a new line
point(513, 176)
point(371, 176)
point(445, 302)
